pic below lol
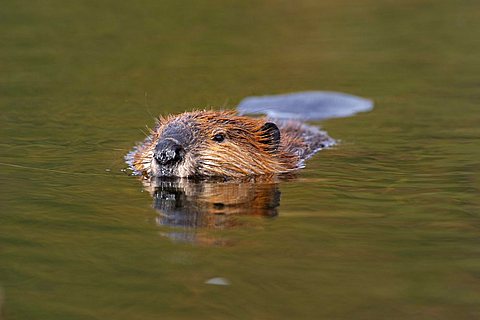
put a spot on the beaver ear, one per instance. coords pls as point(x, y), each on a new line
point(270, 136)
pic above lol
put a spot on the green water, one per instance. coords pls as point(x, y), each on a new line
point(384, 226)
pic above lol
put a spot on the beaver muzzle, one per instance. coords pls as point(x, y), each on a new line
point(168, 152)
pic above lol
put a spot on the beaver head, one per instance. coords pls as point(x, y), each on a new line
point(212, 143)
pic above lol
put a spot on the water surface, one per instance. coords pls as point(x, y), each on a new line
point(384, 225)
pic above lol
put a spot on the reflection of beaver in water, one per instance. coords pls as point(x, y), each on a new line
point(223, 144)
point(212, 204)
point(192, 206)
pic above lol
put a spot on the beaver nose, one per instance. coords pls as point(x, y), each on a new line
point(168, 152)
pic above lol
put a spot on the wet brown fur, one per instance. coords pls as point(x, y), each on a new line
point(247, 149)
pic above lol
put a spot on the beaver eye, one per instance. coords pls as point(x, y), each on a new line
point(219, 137)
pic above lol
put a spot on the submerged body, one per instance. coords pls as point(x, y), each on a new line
point(224, 144)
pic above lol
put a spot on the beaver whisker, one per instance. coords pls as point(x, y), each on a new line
point(222, 163)
point(210, 163)
point(216, 166)
point(250, 166)
point(239, 169)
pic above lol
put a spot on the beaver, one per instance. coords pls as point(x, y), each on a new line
point(225, 144)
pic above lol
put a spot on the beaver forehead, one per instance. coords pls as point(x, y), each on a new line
point(191, 128)
point(211, 122)
point(175, 128)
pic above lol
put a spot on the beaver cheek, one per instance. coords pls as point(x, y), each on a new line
point(190, 164)
point(187, 168)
